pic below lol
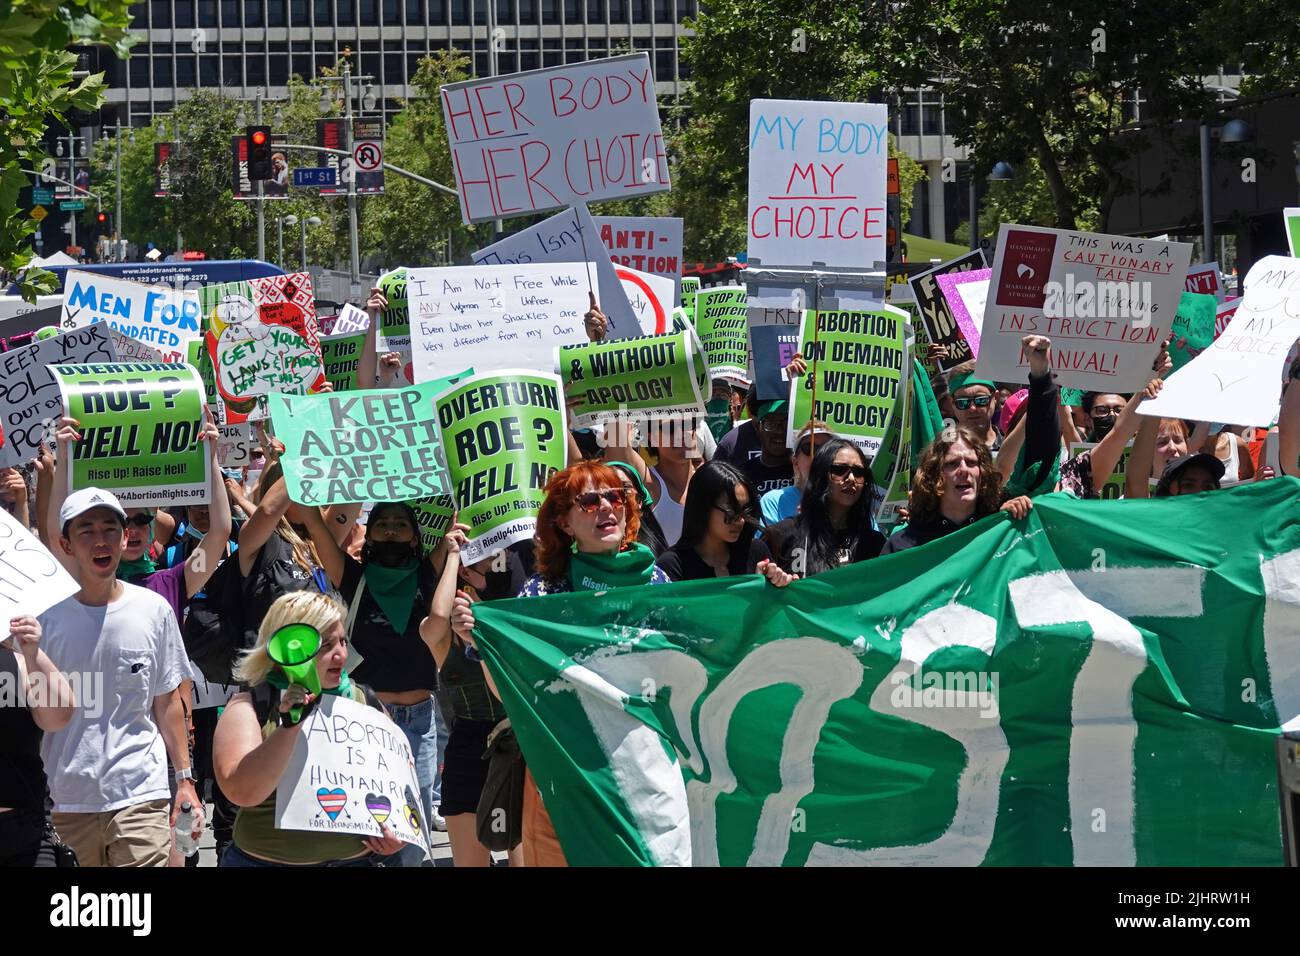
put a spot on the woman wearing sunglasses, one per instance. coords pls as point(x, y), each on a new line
point(718, 528)
point(257, 733)
point(834, 526)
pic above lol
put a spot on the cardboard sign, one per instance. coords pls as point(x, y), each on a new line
point(494, 317)
point(503, 434)
point(771, 349)
point(31, 580)
point(29, 392)
point(1236, 380)
point(651, 298)
point(539, 140)
point(937, 321)
point(140, 427)
point(656, 378)
point(133, 350)
point(722, 322)
point(967, 294)
point(162, 317)
point(351, 771)
point(340, 356)
point(350, 320)
point(1204, 279)
point(817, 183)
point(646, 243)
point(234, 445)
point(1106, 302)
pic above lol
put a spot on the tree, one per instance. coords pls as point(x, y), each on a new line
point(37, 85)
point(145, 218)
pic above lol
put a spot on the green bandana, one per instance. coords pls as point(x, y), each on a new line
point(394, 591)
point(958, 382)
point(275, 677)
point(600, 572)
point(126, 570)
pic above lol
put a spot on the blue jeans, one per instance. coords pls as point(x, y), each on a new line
point(426, 733)
point(235, 857)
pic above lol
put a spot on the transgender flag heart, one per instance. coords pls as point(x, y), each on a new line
point(332, 801)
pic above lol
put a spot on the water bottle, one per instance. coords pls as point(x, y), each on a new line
point(186, 823)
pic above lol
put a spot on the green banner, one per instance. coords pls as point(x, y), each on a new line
point(434, 516)
point(373, 445)
point(653, 378)
point(140, 427)
point(503, 433)
point(1091, 686)
point(690, 288)
point(1193, 327)
point(855, 367)
point(722, 323)
point(340, 355)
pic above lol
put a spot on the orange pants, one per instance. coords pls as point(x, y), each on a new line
point(541, 844)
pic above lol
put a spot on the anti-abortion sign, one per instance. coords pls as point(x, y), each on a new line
point(548, 138)
point(1106, 302)
point(1193, 328)
point(772, 347)
point(434, 517)
point(649, 379)
point(375, 445)
point(494, 317)
point(1204, 279)
point(133, 350)
point(817, 183)
point(1236, 380)
point(937, 321)
point(140, 427)
point(722, 322)
point(262, 338)
point(29, 392)
point(351, 771)
point(31, 580)
point(159, 316)
point(855, 366)
point(340, 356)
point(967, 294)
point(503, 435)
point(646, 243)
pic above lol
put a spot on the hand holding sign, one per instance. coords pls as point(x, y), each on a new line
point(595, 321)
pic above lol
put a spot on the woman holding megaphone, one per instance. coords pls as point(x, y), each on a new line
point(300, 655)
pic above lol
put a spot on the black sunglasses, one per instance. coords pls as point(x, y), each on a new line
point(842, 471)
point(589, 501)
point(731, 517)
point(805, 447)
point(140, 520)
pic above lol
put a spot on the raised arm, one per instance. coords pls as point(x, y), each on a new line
point(332, 558)
point(1137, 477)
point(1042, 426)
point(212, 549)
point(64, 438)
point(368, 363)
point(436, 628)
point(261, 525)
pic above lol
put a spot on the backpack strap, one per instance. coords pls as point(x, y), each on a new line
point(265, 699)
point(354, 607)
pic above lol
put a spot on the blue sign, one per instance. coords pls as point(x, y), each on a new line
point(315, 176)
point(203, 271)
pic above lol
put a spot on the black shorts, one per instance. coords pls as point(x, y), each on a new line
point(464, 771)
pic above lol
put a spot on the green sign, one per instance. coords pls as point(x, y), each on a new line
point(1072, 397)
point(434, 516)
point(140, 427)
point(72, 205)
point(395, 321)
point(690, 288)
point(1291, 218)
point(654, 378)
point(1193, 327)
point(891, 468)
point(1114, 485)
point(855, 368)
point(359, 446)
point(340, 355)
point(722, 323)
point(1091, 686)
point(503, 434)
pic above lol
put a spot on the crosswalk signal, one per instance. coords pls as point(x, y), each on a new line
point(258, 139)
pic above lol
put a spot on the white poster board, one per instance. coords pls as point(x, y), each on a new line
point(1106, 302)
point(1237, 380)
point(234, 444)
point(543, 139)
point(651, 298)
point(1203, 278)
point(162, 317)
point(646, 243)
point(350, 321)
point(351, 771)
point(817, 183)
point(490, 318)
point(133, 350)
point(31, 579)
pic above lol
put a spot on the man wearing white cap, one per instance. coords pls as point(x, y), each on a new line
point(108, 768)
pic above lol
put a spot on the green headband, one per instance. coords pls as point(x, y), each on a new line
point(962, 381)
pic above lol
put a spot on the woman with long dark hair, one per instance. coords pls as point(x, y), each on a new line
point(718, 525)
point(834, 525)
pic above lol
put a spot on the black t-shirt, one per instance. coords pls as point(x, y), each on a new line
point(683, 563)
point(921, 532)
point(784, 539)
point(739, 444)
point(274, 573)
point(22, 775)
point(768, 478)
point(393, 662)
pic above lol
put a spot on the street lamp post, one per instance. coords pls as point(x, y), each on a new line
point(280, 223)
point(1233, 131)
point(302, 241)
point(1002, 171)
point(73, 142)
point(119, 253)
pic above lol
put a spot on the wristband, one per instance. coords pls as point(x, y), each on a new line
point(186, 774)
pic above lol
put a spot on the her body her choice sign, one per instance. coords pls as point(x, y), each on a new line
point(817, 183)
point(548, 138)
point(1106, 302)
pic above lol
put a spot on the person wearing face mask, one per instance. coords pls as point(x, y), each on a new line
point(1086, 472)
point(1104, 409)
point(718, 529)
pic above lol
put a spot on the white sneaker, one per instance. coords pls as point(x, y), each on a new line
point(439, 823)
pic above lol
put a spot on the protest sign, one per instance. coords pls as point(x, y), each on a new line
point(855, 368)
point(539, 140)
point(503, 435)
point(1114, 485)
point(891, 469)
point(1223, 315)
point(908, 701)
point(649, 379)
point(817, 183)
point(1193, 328)
point(1106, 302)
point(140, 425)
point(1072, 397)
point(651, 298)
point(350, 320)
point(494, 317)
point(771, 349)
point(650, 244)
point(1204, 279)
point(394, 332)
point(29, 392)
point(163, 317)
point(373, 445)
point(340, 356)
point(682, 320)
point(261, 336)
point(966, 294)
point(1291, 219)
point(434, 517)
point(133, 350)
point(936, 318)
point(690, 288)
point(234, 445)
point(31, 580)
point(351, 771)
point(722, 322)
point(1236, 380)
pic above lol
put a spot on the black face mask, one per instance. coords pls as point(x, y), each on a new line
point(1101, 427)
point(390, 554)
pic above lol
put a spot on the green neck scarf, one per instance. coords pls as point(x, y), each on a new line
point(394, 591)
point(126, 570)
point(600, 572)
point(275, 677)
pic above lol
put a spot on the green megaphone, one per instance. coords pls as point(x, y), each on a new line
point(294, 648)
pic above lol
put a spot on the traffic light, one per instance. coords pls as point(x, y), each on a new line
point(104, 222)
point(258, 141)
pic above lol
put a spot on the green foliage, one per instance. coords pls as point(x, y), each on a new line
point(202, 204)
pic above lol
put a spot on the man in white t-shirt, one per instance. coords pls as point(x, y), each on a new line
point(107, 770)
